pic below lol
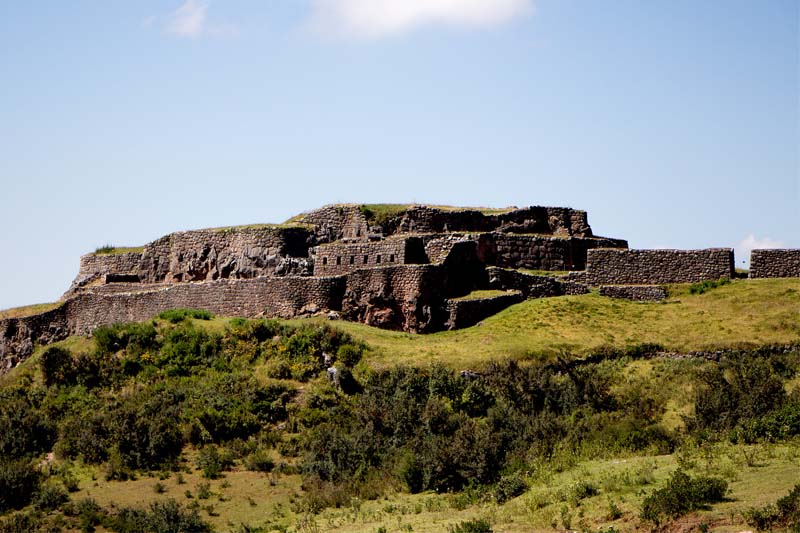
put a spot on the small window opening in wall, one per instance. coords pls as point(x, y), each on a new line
point(358, 232)
point(366, 259)
point(352, 260)
point(391, 258)
point(324, 260)
point(338, 260)
point(378, 259)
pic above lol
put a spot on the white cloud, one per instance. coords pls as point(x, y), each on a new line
point(750, 243)
point(379, 18)
point(189, 19)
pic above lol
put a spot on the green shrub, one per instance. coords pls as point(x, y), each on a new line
point(213, 462)
point(349, 354)
point(204, 491)
point(50, 496)
point(24, 429)
point(179, 315)
point(259, 461)
point(134, 338)
point(681, 495)
point(186, 348)
point(783, 514)
point(703, 286)
point(22, 523)
point(478, 525)
point(510, 487)
point(57, 366)
point(18, 482)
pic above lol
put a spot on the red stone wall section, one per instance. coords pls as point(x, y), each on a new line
point(606, 266)
point(406, 297)
point(780, 263)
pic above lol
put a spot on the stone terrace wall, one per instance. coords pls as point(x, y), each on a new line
point(780, 263)
point(284, 297)
point(341, 258)
point(466, 313)
point(637, 293)
point(235, 253)
point(408, 297)
point(606, 266)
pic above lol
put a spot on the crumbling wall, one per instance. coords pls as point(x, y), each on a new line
point(653, 267)
point(95, 267)
point(18, 335)
point(548, 220)
point(468, 312)
point(335, 222)
point(779, 263)
point(226, 253)
point(531, 286)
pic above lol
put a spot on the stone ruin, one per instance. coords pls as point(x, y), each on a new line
point(409, 268)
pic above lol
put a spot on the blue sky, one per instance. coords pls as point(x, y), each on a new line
point(673, 123)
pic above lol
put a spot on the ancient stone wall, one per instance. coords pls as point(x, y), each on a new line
point(97, 266)
point(343, 257)
point(652, 267)
point(637, 293)
point(18, 335)
point(531, 286)
point(337, 222)
point(227, 253)
point(407, 297)
point(537, 252)
point(283, 297)
point(781, 263)
point(549, 220)
point(468, 312)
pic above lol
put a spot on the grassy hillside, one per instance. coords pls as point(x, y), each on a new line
point(744, 312)
point(223, 424)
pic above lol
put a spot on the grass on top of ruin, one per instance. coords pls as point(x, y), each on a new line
point(109, 249)
point(28, 310)
point(741, 313)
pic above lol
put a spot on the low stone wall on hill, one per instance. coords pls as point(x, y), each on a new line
point(778, 263)
point(463, 313)
point(606, 266)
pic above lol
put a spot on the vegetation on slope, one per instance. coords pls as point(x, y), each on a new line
point(178, 400)
point(237, 425)
point(741, 313)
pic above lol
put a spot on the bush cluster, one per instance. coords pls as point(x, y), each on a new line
point(682, 494)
